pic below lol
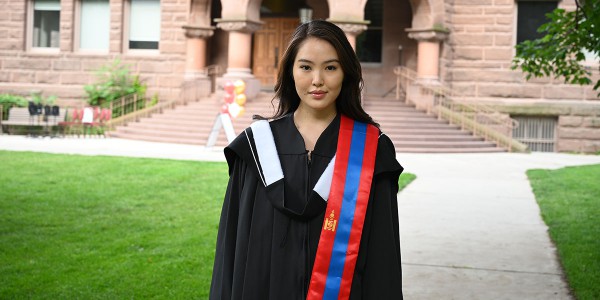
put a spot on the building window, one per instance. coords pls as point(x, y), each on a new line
point(368, 43)
point(538, 133)
point(94, 25)
point(46, 23)
point(144, 24)
point(530, 16)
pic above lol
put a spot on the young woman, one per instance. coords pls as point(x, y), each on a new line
point(310, 211)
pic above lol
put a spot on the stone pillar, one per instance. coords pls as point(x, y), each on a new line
point(240, 46)
point(352, 29)
point(196, 50)
point(428, 53)
point(239, 53)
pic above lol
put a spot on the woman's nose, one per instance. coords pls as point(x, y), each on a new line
point(317, 79)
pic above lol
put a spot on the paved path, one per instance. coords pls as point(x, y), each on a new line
point(470, 226)
point(471, 229)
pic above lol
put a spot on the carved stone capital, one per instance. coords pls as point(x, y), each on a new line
point(351, 27)
point(245, 26)
point(198, 32)
point(431, 34)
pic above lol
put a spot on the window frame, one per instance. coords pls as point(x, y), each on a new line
point(588, 62)
point(77, 32)
point(29, 26)
point(126, 31)
point(516, 15)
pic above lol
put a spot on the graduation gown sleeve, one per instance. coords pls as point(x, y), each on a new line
point(237, 230)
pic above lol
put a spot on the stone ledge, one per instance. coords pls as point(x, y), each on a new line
point(544, 107)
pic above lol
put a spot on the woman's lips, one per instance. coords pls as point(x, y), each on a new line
point(318, 94)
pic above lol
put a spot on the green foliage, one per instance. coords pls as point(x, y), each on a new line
point(405, 179)
point(570, 206)
point(560, 51)
point(37, 98)
point(113, 82)
point(7, 101)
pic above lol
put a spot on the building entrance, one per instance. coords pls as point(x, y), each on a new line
point(269, 43)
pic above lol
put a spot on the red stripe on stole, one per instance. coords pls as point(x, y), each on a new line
point(334, 203)
point(362, 201)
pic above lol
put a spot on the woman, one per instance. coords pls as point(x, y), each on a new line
point(310, 211)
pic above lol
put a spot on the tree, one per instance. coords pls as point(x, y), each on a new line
point(568, 36)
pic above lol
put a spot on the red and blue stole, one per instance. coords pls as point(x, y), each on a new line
point(339, 243)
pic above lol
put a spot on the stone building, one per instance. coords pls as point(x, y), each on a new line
point(54, 46)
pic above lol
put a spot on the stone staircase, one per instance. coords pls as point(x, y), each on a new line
point(410, 129)
point(413, 130)
point(192, 123)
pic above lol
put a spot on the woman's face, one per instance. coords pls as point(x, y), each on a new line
point(318, 76)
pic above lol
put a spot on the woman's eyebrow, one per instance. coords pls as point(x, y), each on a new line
point(325, 62)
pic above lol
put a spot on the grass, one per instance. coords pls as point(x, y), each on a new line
point(107, 227)
point(569, 200)
point(96, 227)
point(405, 179)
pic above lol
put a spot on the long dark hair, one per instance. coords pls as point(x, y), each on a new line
point(348, 101)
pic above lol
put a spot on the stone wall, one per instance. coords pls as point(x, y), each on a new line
point(579, 132)
point(578, 126)
point(481, 42)
point(63, 73)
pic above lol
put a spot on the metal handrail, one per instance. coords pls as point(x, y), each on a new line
point(481, 119)
point(127, 104)
point(138, 114)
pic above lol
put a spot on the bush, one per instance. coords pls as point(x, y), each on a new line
point(113, 82)
point(37, 98)
point(8, 101)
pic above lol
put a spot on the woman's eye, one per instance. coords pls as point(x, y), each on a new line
point(305, 67)
point(331, 68)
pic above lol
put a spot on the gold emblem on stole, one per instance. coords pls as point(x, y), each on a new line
point(329, 223)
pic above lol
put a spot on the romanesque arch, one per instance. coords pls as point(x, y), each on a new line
point(428, 28)
point(427, 13)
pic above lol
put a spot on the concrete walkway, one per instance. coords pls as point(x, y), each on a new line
point(470, 227)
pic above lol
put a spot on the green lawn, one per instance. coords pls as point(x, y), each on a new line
point(82, 227)
point(405, 179)
point(569, 200)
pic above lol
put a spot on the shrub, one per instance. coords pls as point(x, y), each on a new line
point(8, 101)
point(37, 98)
point(113, 82)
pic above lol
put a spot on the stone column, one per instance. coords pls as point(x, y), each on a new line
point(352, 29)
point(196, 50)
point(428, 53)
point(240, 46)
point(196, 84)
point(239, 53)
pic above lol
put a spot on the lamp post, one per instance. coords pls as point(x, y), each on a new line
point(305, 13)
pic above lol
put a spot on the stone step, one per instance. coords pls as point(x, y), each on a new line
point(445, 144)
point(439, 138)
point(410, 129)
point(427, 132)
point(448, 150)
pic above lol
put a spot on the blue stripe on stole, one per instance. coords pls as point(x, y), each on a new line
point(342, 235)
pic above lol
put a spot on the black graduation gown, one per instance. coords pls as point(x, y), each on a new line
point(268, 237)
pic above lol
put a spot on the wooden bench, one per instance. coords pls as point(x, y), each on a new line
point(20, 120)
